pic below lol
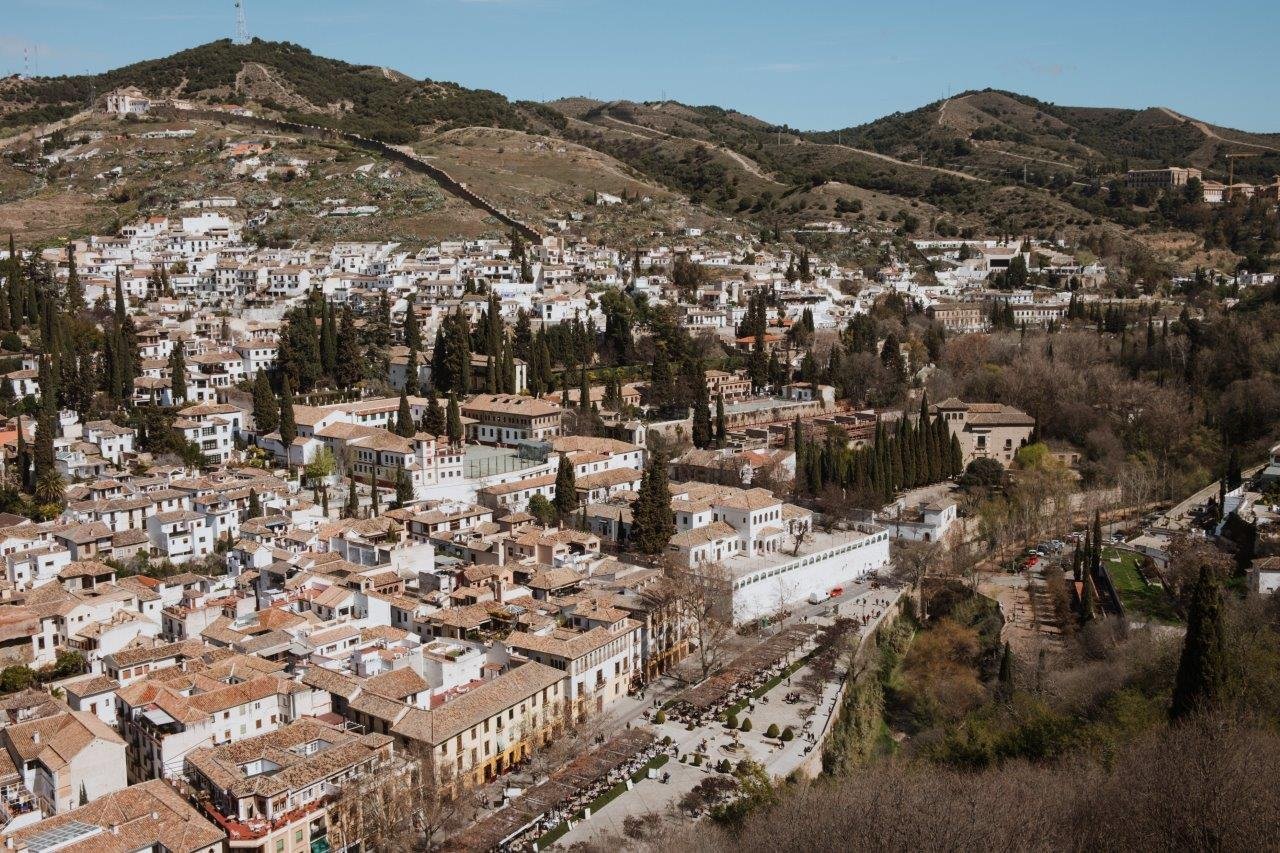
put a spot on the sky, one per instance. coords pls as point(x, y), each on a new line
point(811, 64)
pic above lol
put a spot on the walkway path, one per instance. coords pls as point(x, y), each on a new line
point(650, 797)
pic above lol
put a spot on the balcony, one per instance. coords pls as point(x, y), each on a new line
point(248, 830)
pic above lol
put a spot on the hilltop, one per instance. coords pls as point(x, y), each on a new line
point(981, 161)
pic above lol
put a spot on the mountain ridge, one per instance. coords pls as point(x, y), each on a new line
point(981, 160)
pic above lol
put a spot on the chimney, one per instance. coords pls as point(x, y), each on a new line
point(115, 829)
point(35, 737)
point(496, 584)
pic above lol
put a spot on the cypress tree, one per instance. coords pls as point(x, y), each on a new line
point(75, 290)
point(266, 408)
point(404, 419)
point(178, 372)
point(1202, 670)
point(454, 424)
point(352, 508)
point(16, 288)
point(653, 522)
point(412, 331)
point(411, 372)
point(722, 432)
point(702, 431)
point(1006, 671)
point(347, 361)
point(566, 499)
point(584, 391)
point(24, 458)
point(45, 427)
point(1095, 557)
point(288, 427)
point(404, 487)
point(374, 508)
point(1087, 596)
point(507, 369)
point(255, 504)
point(957, 456)
point(433, 418)
point(328, 341)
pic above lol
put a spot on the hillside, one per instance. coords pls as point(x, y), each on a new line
point(993, 133)
point(279, 76)
point(978, 162)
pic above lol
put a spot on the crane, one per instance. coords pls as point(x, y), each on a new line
point(1231, 169)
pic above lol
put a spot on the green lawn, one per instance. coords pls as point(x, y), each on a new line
point(1139, 597)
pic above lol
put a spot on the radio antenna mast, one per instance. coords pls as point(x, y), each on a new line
point(242, 28)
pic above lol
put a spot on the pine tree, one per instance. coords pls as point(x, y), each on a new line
point(404, 419)
point(653, 522)
point(453, 425)
point(266, 408)
point(1202, 671)
point(722, 432)
point(178, 372)
point(288, 427)
point(566, 499)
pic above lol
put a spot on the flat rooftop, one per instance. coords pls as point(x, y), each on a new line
point(743, 565)
point(761, 404)
point(482, 460)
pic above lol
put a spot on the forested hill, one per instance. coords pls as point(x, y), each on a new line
point(980, 162)
point(992, 130)
point(280, 77)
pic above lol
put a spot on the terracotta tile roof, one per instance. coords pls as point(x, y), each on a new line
point(306, 751)
point(397, 684)
point(477, 705)
point(150, 815)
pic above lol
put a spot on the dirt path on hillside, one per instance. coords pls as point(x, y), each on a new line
point(747, 164)
point(939, 169)
point(1213, 134)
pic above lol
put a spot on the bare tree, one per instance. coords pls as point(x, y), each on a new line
point(912, 564)
point(402, 804)
point(799, 531)
point(703, 595)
